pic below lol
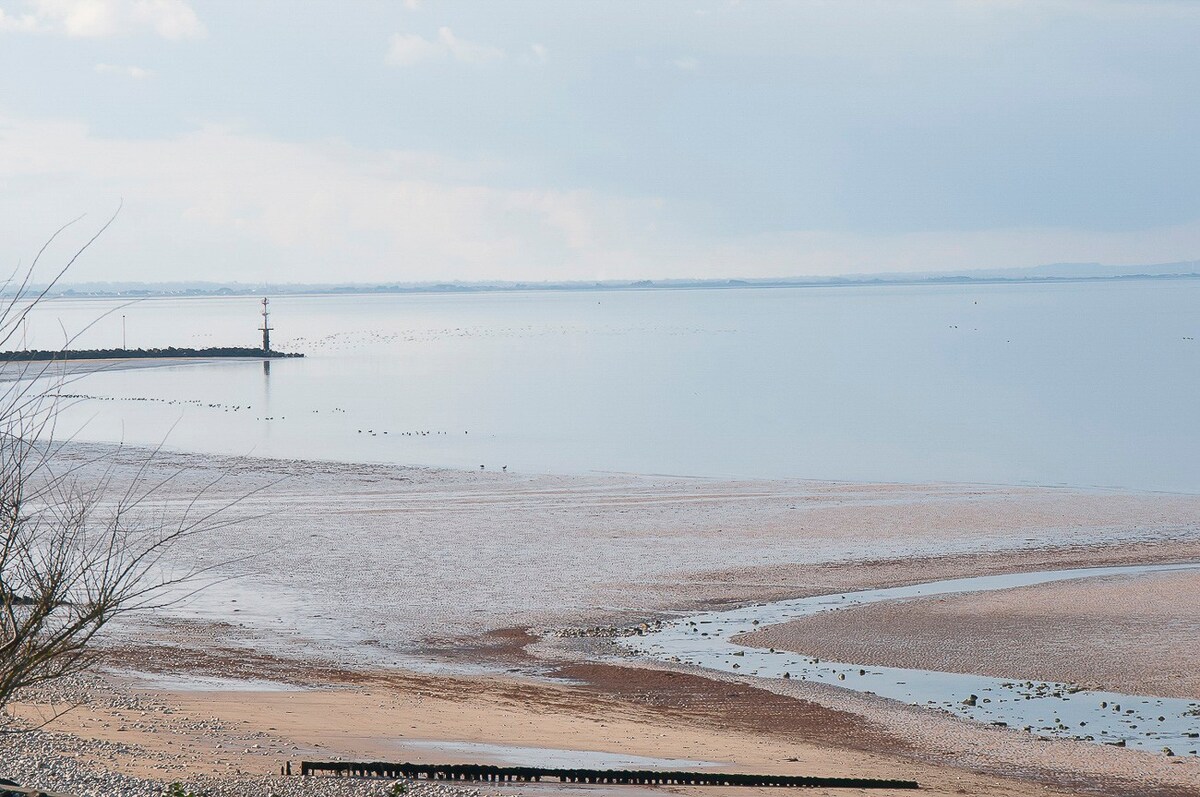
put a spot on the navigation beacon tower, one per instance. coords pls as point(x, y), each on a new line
point(266, 326)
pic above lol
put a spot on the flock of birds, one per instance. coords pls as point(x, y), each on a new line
point(373, 433)
point(153, 400)
point(360, 339)
point(242, 407)
point(356, 339)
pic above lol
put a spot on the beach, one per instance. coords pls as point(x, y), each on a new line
point(382, 612)
point(424, 399)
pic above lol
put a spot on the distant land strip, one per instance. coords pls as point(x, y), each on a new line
point(1065, 273)
point(40, 355)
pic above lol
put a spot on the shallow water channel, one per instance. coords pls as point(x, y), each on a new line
point(1045, 708)
point(520, 756)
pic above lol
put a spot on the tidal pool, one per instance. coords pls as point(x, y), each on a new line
point(1044, 708)
point(516, 755)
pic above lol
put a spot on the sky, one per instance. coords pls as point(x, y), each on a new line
point(418, 140)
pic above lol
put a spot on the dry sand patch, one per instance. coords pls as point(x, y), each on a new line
point(1136, 634)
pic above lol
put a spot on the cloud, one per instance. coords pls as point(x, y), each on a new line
point(406, 49)
point(219, 203)
point(686, 64)
point(170, 19)
point(467, 52)
point(224, 204)
point(536, 55)
point(135, 72)
point(23, 23)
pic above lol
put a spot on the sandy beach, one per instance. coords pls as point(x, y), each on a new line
point(393, 613)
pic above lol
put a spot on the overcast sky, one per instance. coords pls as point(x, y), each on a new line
point(375, 141)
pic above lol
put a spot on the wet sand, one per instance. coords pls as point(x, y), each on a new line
point(381, 561)
point(457, 607)
point(1135, 634)
point(174, 731)
point(610, 711)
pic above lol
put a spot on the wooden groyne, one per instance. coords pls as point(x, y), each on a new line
point(477, 772)
point(9, 788)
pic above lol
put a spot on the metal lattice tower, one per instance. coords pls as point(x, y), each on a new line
point(266, 326)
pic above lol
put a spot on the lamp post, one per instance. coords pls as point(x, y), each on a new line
point(124, 347)
point(266, 327)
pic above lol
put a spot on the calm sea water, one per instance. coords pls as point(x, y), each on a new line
point(1092, 384)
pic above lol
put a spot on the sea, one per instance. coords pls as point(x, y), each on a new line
point(1082, 383)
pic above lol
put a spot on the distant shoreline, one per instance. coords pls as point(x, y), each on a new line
point(185, 290)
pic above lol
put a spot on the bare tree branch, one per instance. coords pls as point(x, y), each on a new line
point(76, 552)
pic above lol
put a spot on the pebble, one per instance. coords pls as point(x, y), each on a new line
point(70, 765)
point(53, 762)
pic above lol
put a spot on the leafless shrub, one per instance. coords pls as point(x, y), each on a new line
point(76, 552)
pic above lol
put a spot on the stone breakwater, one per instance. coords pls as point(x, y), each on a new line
point(171, 352)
